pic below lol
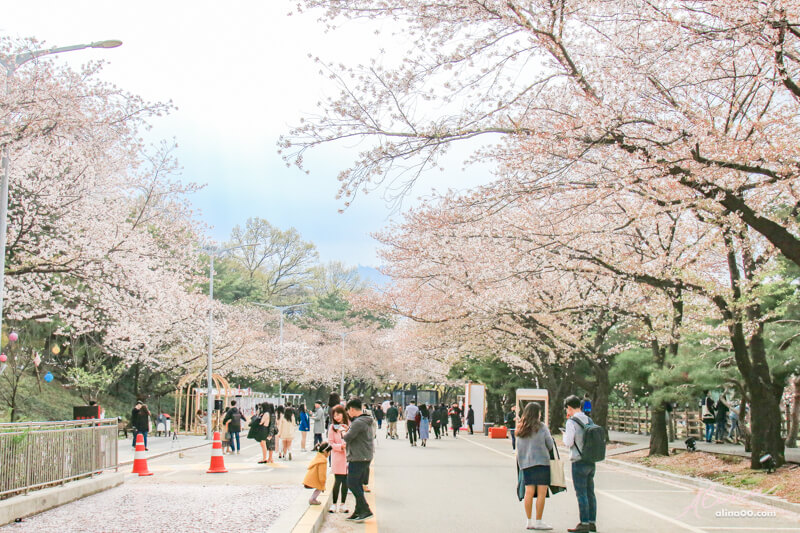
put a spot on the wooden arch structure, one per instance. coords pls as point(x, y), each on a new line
point(191, 403)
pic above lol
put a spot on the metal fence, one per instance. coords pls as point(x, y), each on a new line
point(41, 454)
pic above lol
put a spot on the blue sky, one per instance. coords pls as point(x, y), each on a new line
point(240, 76)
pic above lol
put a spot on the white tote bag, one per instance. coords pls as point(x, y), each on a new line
point(557, 477)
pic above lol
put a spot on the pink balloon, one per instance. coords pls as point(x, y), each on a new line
point(3, 358)
point(13, 336)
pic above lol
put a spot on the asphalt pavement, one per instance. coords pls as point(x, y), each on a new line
point(468, 485)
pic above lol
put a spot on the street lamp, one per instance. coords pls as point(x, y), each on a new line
point(210, 404)
point(282, 309)
point(11, 65)
point(344, 334)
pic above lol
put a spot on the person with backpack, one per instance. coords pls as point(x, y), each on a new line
point(392, 414)
point(233, 422)
point(587, 445)
point(587, 404)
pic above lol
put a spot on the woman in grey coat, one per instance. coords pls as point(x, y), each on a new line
point(533, 457)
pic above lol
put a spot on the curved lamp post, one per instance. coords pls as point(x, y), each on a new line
point(11, 65)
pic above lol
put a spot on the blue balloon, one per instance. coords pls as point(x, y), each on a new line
point(48, 377)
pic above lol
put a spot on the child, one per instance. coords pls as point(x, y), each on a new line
point(226, 443)
point(317, 472)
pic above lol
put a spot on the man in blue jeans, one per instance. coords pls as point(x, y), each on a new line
point(582, 471)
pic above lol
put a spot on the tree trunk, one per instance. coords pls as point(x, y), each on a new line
point(794, 417)
point(765, 424)
point(601, 394)
point(659, 441)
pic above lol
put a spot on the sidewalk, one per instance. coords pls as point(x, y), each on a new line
point(158, 446)
point(639, 441)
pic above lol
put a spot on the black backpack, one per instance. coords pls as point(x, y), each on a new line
point(594, 442)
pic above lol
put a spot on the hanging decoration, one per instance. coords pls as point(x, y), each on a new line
point(48, 377)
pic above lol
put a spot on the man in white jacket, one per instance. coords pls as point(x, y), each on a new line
point(582, 471)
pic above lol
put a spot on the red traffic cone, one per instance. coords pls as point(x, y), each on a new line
point(217, 462)
point(139, 460)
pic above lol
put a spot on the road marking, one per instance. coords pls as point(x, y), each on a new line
point(638, 507)
point(647, 510)
point(647, 490)
point(751, 528)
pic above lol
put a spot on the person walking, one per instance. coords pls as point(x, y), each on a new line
point(455, 419)
point(587, 405)
point(424, 425)
point(140, 420)
point(511, 424)
point(410, 415)
point(443, 420)
point(708, 414)
point(435, 421)
point(378, 415)
point(286, 432)
point(533, 458)
point(582, 471)
point(233, 421)
point(319, 422)
point(304, 427)
point(470, 419)
point(392, 414)
point(360, 449)
point(340, 425)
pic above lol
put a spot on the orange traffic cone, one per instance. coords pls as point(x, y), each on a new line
point(217, 462)
point(139, 460)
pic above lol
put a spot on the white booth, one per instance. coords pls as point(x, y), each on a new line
point(475, 395)
point(534, 395)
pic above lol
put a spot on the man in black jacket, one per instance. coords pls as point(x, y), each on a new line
point(233, 419)
point(360, 451)
point(470, 419)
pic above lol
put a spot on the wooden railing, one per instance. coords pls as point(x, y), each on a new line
point(683, 422)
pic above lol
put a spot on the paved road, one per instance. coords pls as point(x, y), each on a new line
point(468, 485)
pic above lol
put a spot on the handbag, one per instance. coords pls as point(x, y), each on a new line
point(520, 484)
point(558, 481)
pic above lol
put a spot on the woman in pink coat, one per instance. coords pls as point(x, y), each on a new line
point(339, 425)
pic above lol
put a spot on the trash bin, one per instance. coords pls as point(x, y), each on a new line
point(486, 427)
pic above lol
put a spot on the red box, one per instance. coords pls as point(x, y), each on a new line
point(498, 433)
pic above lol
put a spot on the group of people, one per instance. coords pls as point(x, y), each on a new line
point(535, 446)
point(420, 419)
point(274, 427)
point(349, 448)
point(716, 416)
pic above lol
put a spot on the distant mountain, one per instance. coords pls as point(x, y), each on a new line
point(373, 276)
